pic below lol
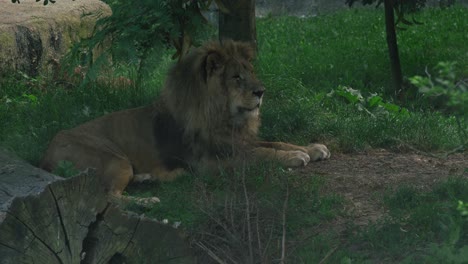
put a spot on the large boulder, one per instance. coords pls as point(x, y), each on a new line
point(33, 35)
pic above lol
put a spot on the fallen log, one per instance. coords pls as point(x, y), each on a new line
point(47, 219)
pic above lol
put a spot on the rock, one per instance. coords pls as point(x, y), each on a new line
point(33, 35)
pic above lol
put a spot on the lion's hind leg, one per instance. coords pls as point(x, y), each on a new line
point(159, 174)
point(112, 166)
point(120, 173)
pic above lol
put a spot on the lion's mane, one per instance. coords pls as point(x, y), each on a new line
point(195, 121)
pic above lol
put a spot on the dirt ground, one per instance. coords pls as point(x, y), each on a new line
point(360, 177)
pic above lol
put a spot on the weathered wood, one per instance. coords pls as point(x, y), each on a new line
point(46, 219)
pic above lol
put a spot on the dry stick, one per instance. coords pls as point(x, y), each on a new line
point(257, 226)
point(226, 208)
point(210, 253)
point(428, 154)
point(247, 212)
point(217, 221)
point(231, 202)
point(222, 239)
point(283, 240)
point(267, 244)
point(328, 255)
point(222, 252)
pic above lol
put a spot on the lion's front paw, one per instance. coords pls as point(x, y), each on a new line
point(318, 152)
point(294, 158)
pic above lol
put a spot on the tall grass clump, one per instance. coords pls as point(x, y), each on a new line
point(254, 213)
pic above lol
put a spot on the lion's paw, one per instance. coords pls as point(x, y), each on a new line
point(295, 158)
point(318, 152)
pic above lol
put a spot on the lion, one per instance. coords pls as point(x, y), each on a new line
point(208, 111)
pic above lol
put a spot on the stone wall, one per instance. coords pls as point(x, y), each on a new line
point(315, 7)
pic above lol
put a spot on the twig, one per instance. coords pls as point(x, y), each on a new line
point(440, 156)
point(455, 150)
point(461, 131)
point(210, 253)
point(217, 221)
point(257, 226)
point(283, 239)
point(267, 244)
point(214, 236)
point(247, 212)
point(328, 255)
point(429, 77)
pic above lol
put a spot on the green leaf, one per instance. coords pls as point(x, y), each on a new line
point(391, 107)
point(31, 98)
point(374, 101)
point(353, 96)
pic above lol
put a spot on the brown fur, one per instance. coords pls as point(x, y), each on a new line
point(208, 111)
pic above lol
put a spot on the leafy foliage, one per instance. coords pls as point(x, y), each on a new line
point(136, 32)
point(373, 104)
point(463, 208)
point(448, 91)
point(446, 87)
point(401, 7)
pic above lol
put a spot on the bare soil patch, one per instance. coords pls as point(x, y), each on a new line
point(360, 178)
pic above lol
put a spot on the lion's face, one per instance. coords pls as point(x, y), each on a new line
point(243, 91)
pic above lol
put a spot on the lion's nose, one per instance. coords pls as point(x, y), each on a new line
point(258, 93)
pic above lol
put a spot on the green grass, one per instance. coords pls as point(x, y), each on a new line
point(300, 62)
point(31, 114)
point(349, 48)
point(426, 222)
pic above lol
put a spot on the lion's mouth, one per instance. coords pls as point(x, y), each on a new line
point(243, 110)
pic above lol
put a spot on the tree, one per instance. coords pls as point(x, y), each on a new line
point(400, 8)
point(237, 20)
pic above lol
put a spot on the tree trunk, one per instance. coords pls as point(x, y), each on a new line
point(393, 48)
point(238, 21)
point(47, 219)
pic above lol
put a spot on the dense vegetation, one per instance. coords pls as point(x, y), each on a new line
point(327, 80)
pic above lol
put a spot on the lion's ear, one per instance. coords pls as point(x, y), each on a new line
point(214, 64)
point(247, 50)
